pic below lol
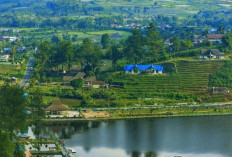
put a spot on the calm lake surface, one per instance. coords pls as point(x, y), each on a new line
point(160, 137)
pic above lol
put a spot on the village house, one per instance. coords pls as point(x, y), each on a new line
point(6, 50)
point(215, 38)
point(56, 107)
point(211, 54)
point(4, 58)
point(13, 79)
point(220, 90)
point(68, 79)
point(89, 80)
point(134, 25)
point(21, 49)
point(168, 42)
point(198, 39)
point(99, 84)
point(9, 38)
point(113, 25)
point(144, 69)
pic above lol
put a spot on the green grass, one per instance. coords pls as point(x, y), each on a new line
point(8, 70)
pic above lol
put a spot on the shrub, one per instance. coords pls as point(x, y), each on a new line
point(78, 83)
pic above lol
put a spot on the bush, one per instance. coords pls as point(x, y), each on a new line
point(78, 83)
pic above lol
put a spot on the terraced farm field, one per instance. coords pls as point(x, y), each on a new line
point(195, 75)
point(190, 77)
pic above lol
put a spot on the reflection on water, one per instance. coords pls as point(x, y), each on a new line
point(186, 137)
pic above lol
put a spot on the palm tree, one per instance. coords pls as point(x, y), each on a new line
point(13, 51)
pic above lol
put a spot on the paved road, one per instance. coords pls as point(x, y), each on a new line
point(28, 73)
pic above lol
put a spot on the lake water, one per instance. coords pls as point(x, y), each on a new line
point(160, 137)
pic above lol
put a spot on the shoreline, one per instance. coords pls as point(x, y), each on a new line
point(137, 117)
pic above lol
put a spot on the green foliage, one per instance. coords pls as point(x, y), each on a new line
point(227, 41)
point(155, 45)
point(89, 55)
point(78, 83)
point(43, 55)
point(12, 109)
point(114, 54)
point(207, 43)
point(65, 53)
point(149, 48)
point(176, 45)
point(55, 39)
point(187, 44)
point(36, 105)
point(133, 47)
point(6, 145)
point(223, 77)
point(105, 41)
point(221, 29)
point(18, 152)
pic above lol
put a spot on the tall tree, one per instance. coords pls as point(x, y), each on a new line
point(175, 43)
point(43, 55)
point(227, 41)
point(36, 105)
point(12, 109)
point(6, 145)
point(65, 53)
point(115, 54)
point(13, 51)
point(105, 41)
point(221, 29)
point(133, 49)
point(90, 55)
point(154, 43)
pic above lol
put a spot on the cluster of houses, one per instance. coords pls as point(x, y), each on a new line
point(198, 39)
point(136, 26)
point(6, 53)
point(9, 38)
point(132, 25)
point(89, 81)
point(214, 38)
point(8, 49)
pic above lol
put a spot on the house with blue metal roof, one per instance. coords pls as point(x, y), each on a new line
point(146, 69)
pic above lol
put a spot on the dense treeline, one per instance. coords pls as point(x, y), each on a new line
point(62, 23)
point(137, 48)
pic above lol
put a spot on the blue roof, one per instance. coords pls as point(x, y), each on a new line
point(7, 49)
point(144, 67)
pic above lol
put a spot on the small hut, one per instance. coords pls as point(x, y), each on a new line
point(56, 107)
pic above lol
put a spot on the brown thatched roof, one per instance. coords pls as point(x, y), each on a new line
point(90, 79)
point(67, 78)
point(80, 75)
point(57, 106)
point(77, 76)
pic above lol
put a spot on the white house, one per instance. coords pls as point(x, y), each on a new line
point(4, 58)
point(211, 54)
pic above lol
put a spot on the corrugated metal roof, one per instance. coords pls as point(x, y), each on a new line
point(144, 67)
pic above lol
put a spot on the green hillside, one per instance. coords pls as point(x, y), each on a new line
point(191, 77)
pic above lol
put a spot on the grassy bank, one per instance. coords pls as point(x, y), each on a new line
point(143, 114)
